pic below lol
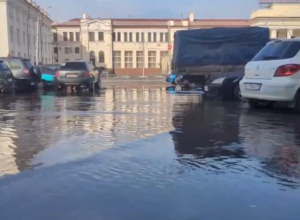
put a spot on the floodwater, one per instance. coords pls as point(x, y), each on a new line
point(140, 152)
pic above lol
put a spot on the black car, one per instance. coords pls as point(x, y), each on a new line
point(6, 78)
point(23, 72)
point(78, 74)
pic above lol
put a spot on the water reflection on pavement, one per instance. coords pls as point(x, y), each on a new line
point(144, 153)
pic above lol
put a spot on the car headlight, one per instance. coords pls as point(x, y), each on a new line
point(218, 81)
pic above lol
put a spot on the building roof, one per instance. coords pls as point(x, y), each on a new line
point(142, 22)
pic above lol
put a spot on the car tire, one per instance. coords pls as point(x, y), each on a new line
point(237, 93)
point(296, 106)
point(253, 103)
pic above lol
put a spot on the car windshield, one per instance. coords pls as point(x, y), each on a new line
point(73, 66)
point(278, 50)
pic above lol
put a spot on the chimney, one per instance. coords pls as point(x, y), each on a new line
point(192, 18)
point(84, 16)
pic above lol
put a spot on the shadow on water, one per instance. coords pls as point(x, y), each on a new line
point(224, 138)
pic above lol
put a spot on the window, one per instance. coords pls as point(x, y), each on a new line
point(130, 37)
point(68, 50)
point(11, 34)
point(55, 50)
point(139, 59)
point(91, 36)
point(13, 65)
point(100, 36)
point(24, 38)
point(137, 37)
point(77, 51)
point(119, 37)
point(164, 54)
point(154, 37)
point(149, 37)
point(55, 37)
point(77, 36)
point(128, 59)
point(65, 35)
point(71, 36)
point(143, 37)
point(19, 54)
point(101, 57)
point(125, 37)
point(152, 59)
point(161, 38)
point(24, 55)
point(18, 36)
point(3, 66)
point(166, 37)
point(114, 36)
point(278, 50)
point(117, 59)
point(73, 66)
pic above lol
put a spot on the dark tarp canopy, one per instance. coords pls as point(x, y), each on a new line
point(218, 46)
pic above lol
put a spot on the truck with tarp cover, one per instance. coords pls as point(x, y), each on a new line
point(201, 55)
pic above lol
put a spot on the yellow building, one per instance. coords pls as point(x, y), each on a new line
point(125, 45)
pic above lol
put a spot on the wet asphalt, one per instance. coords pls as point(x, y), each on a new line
point(138, 152)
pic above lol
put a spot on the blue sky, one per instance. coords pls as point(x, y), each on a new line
point(62, 10)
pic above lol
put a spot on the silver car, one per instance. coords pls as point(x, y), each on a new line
point(78, 74)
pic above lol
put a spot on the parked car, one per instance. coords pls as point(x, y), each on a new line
point(23, 73)
point(78, 74)
point(273, 75)
point(52, 66)
point(6, 78)
point(226, 86)
point(47, 74)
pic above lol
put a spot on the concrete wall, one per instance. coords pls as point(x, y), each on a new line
point(4, 47)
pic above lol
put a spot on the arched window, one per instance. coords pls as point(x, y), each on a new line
point(101, 57)
point(92, 58)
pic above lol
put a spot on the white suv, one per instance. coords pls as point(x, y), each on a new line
point(273, 75)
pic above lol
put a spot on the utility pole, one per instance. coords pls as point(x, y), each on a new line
point(143, 41)
point(169, 46)
point(37, 40)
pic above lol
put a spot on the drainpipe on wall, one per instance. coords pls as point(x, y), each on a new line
point(28, 16)
point(112, 46)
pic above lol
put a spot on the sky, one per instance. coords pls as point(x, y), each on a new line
point(63, 10)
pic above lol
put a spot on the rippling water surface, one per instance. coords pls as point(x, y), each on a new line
point(144, 153)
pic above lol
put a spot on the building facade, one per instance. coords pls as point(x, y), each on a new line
point(282, 19)
point(25, 31)
point(125, 46)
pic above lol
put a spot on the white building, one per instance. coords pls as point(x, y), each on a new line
point(125, 45)
point(283, 19)
point(25, 31)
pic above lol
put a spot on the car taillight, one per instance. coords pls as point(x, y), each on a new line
point(57, 74)
point(87, 75)
point(287, 70)
point(26, 72)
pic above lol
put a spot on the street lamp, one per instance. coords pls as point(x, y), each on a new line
point(170, 23)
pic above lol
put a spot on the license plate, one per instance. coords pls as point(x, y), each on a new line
point(252, 86)
point(72, 75)
point(32, 83)
point(206, 88)
point(9, 80)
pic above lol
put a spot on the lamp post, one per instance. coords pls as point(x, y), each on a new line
point(170, 23)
